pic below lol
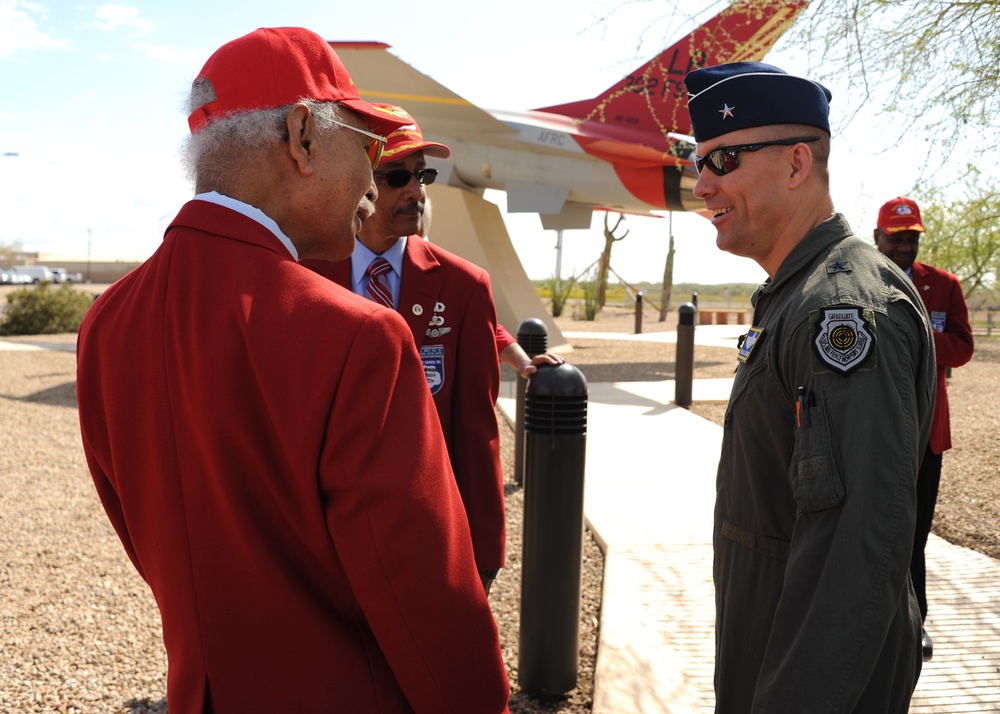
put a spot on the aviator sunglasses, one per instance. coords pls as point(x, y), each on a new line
point(397, 178)
point(374, 147)
point(726, 158)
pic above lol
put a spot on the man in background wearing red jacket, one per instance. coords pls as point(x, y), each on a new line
point(898, 238)
point(447, 303)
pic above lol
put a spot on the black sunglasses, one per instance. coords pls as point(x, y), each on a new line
point(397, 178)
point(725, 159)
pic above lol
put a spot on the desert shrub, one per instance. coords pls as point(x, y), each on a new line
point(559, 297)
point(591, 299)
point(42, 310)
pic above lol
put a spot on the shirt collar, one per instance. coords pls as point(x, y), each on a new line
point(252, 213)
point(362, 257)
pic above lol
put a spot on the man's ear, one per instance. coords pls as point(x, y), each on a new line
point(302, 138)
point(801, 163)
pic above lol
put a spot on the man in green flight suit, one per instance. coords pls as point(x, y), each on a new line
point(827, 421)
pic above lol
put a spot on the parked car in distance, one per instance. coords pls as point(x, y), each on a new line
point(8, 276)
point(37, 273)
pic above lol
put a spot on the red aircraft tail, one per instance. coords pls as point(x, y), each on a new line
point(652, 100)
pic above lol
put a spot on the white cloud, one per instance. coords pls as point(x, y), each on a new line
point(111, 18)
point(19, 28)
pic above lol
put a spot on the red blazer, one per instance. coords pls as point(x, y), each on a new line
point(287, 498)
point(448, 305)
point(942, 295)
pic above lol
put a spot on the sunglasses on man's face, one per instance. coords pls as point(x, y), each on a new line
point(397, 178)
point(374, 146)
point(725, 159)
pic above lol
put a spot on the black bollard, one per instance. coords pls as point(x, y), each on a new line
point(684, 362)
point(638, 313)
point(533, 337)
point(552, 550)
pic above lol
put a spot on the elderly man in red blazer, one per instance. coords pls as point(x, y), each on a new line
point(447, 303)
point(898, 238)
point(289, 500)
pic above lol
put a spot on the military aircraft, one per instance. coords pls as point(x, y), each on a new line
point(627, 149)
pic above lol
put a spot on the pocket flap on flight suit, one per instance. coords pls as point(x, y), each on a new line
point(816, 482)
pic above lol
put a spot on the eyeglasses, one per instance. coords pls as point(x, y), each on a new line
point(725, 159)
point(374, 147)
point(397, 178)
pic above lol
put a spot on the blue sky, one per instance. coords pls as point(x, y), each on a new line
point(92, 97)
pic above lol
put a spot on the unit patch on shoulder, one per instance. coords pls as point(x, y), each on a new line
point(845, 338)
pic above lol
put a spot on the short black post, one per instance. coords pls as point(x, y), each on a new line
point(638, 313)
point(533, 337)
point(684, 362)
point(552, 555)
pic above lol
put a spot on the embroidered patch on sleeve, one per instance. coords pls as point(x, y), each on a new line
point(838, 266)
point(845, 338)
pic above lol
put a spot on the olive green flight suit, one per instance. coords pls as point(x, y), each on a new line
point(816, 495)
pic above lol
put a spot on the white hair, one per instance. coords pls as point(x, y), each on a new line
point(212, 153)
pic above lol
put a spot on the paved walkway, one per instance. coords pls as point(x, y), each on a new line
point(649, 498)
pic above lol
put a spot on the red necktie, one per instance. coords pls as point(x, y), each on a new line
point(378, 282)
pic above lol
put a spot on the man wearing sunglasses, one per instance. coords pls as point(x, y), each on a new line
point(448, 304)
point(289, 500)
point(827, 420)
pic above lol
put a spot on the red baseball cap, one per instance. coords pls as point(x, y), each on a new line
point(276, 66)
point(900, 214)
point(408, 137)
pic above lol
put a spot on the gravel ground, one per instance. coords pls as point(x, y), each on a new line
point(81, 632)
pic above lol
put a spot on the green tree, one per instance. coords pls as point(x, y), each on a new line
point(932, 64)
point(8, 251)
point(963, 235)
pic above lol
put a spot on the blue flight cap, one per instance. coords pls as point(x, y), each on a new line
point(741, 95)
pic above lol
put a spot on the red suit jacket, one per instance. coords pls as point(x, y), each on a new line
point(287, 498)
point(448, 305)
point(942, 295)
